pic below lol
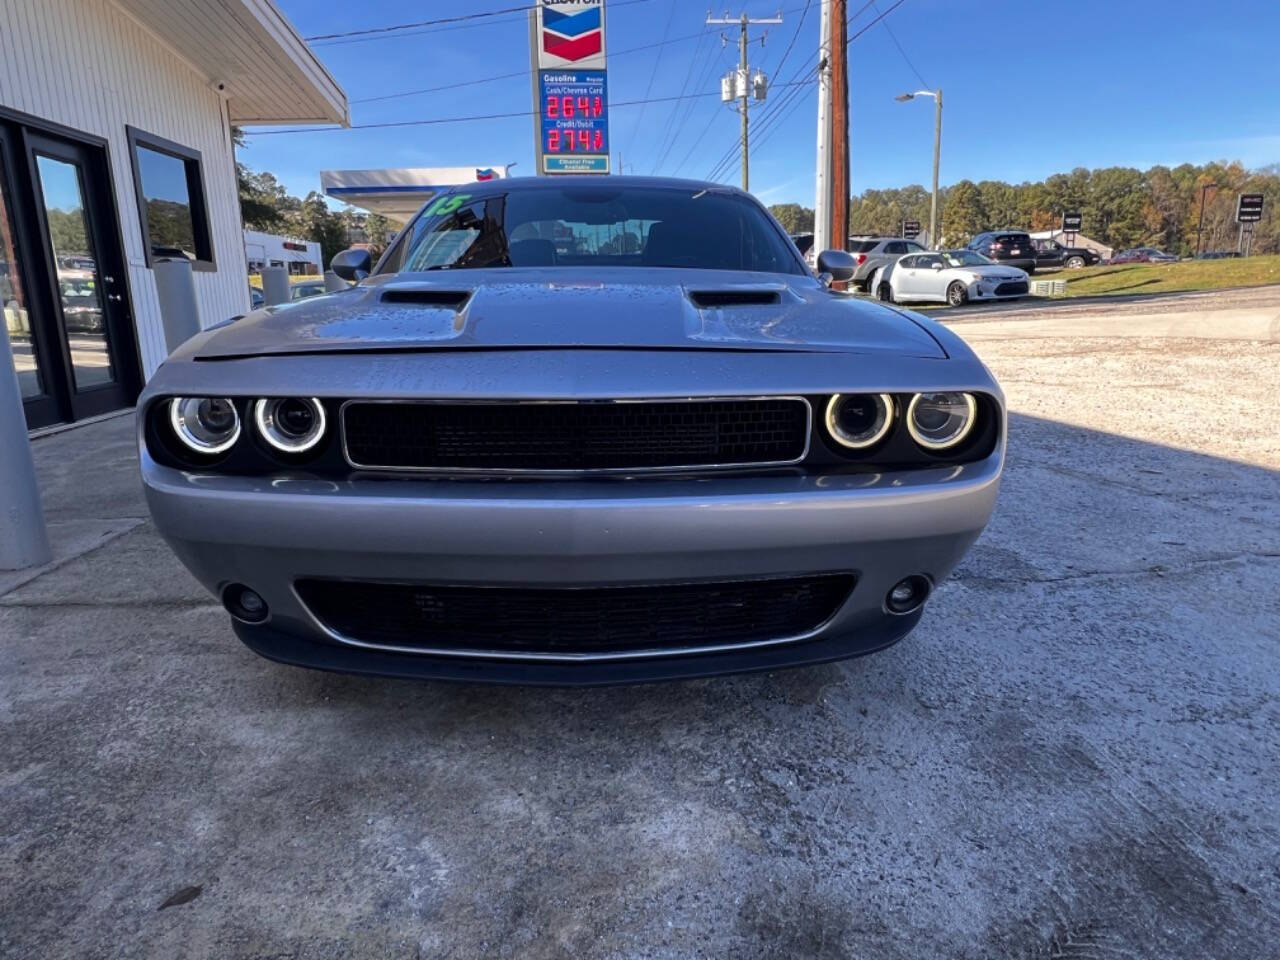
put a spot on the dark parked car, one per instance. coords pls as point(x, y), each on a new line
point(1144, 255)
point(1219, 255)
point(1050, 253)
point(1013, 248)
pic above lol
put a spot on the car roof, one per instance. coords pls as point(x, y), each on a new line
point(507, 184)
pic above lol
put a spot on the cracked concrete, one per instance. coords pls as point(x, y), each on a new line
point(1072, 756)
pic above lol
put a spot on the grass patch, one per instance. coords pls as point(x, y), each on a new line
point(1139, 278)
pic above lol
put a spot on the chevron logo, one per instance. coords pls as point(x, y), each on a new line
point(572, 36)
point(487, 173)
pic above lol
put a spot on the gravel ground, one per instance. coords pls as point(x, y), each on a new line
point(1070, 757)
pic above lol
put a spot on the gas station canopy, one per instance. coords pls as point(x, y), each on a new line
point(399, 194)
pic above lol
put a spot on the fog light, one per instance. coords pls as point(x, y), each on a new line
point(908, 594)
point(244, 604)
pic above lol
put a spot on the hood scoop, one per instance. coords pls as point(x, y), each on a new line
point(426, 297)
point(709, 299)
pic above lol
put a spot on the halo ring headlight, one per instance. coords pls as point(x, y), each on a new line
point(290, 424)
point(859, 428)
point(939, 421)
point(205, 425)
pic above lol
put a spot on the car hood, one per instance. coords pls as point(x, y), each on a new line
point(516, 309)
point(995, 272)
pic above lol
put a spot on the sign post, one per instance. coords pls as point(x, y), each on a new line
point(571, 90)
point(1071, 223)
point(1248, 212)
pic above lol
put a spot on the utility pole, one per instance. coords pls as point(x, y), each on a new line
point(1200, 225)
point(743, 87)
point(839, 126)
point(822, 181)
point(937, 154)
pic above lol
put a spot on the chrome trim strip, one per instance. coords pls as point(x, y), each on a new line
point(592, 471)
point(533, 656)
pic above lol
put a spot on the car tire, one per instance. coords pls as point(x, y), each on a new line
point(884, 292)
point(957, 294)
point(1074, 263)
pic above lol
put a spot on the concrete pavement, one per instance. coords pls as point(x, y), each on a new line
point(1074, 755)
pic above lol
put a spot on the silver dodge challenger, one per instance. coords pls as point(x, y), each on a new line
point(574, 430)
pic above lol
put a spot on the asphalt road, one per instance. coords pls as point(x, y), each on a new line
point(1074, 756)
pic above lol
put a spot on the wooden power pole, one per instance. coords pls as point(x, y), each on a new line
point(839, 140)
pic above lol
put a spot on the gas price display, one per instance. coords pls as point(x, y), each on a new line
point(575, 114)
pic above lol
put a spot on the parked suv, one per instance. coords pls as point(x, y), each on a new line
point(1012, 247)
point(872, 253)
point(1050, 253)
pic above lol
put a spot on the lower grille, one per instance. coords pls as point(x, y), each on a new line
point(1011, 288)
point(575, 436)
point(575, 622)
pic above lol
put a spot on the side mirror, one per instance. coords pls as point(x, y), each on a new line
point(352, 265)
point(935, 265)
point(837, 263)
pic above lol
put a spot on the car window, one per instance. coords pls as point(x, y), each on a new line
point(964, 258)
point(914, 246)
point(862, 246)
point(908, 263)
point(895, 246)
point(604, 225)
point(927, 260)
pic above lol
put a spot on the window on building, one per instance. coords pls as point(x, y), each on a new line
point(169, 183)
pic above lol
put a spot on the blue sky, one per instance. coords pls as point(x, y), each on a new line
point(1030, 88)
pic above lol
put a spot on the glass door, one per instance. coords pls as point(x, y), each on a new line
point(90, 316)
point(19, 313)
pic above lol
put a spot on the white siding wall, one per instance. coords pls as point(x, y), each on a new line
point(88, 66)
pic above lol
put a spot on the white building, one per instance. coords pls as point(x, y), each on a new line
point(115, 148)
point(271, 250)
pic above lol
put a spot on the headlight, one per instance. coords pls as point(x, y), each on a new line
point(207, 425)
point(938, 421)
point(290, 424)
point(859, 420)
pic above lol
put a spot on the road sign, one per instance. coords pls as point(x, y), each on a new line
point(1249, 208)
point(1071, 222)
point(910, 229)
point(571, 87)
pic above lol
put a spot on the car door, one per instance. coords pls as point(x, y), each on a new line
point(904, 278)
point(931, 279)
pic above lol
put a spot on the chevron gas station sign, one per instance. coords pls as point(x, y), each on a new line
point(571, 89)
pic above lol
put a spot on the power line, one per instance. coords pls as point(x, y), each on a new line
point(410, 26)
point(519, 73)
point(444, 23)
point(438, 120)
point(672, 132)
point(894, 37)
point(653, 75)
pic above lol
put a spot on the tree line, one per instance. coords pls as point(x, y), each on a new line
point(1122, 207)
point(266, 205)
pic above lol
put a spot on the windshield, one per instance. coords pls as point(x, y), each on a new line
point(606, 226)
point(965, 258)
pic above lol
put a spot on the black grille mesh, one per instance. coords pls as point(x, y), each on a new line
point(1011, 287)
point(585, 620)
point(575, 436)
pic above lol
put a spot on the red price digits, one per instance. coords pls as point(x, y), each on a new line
point(598, 145)
point(584, 139)
point(584, 105)
point(553, 106)
point(597, 107)
point(553, 141)
point(566, 107)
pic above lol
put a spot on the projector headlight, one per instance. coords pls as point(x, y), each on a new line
point(205, 425)
point(938, 421)
point(290, 424)
point(857, 421)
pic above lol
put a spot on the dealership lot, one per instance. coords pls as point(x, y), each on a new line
point(1074, 755)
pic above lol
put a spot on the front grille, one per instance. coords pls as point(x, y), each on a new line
point(1011, 288)
point(564, 621)
point(575, 436)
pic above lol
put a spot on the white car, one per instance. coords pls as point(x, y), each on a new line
point(949, 276)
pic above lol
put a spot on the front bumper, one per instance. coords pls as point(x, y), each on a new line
point(268, 532)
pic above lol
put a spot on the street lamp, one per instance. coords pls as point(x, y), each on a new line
point(937, 148)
